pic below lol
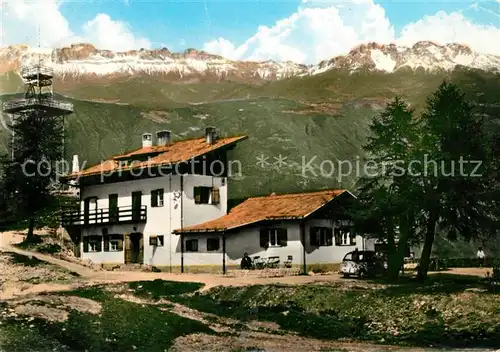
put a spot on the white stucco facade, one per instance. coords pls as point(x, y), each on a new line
point(247, 240)
point(178, 210)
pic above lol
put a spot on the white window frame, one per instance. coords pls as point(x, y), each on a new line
point(210, 200)
point(345, 239)
point(113, 245)
point(274, 233)
point(159, 195)
point(93, 246)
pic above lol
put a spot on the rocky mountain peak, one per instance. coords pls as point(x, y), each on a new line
point(84, 59)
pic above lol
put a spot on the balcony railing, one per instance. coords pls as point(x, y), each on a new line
point(17, 105)
point(104, 216)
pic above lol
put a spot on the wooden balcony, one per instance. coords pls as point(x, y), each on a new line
point(120, 215)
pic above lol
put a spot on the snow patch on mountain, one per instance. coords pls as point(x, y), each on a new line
point(82, 60)
point(382, 61)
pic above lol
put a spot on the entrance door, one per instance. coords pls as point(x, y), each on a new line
point(134, 248)
point(113, 208)
point(136, 205)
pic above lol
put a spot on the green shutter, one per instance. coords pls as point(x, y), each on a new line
point(282, 237)
point(106, 243)
point(99, 243)
point(120, 242)
point(313, 237)
point(153, 240)
point(329, 236)
point(154, 198)
point(338, 240)
point(264, 238)
point(85, 244)
point(215, 196)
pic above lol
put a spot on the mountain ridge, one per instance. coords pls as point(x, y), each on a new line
point(80, 61)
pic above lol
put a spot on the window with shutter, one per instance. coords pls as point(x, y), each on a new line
point(115, 243)
point(94, 243)
point(192, 245)
point(344, 236)
point(203, 195)
point(321, 236)
point(282, 237)
point(157, 198)
point(197, 195)
point(213, 244)
point(273, 237)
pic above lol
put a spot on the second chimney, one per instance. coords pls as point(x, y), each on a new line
point(210, 135)
point(147, 140)
point(75, 166)
point(163, 138)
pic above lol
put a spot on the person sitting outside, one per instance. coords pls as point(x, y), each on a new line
point(246, 262)
point(355, 254)
point(480, 256)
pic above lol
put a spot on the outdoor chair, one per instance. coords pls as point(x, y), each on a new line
point(288, 263)
point(258, 262)
point(273, 262)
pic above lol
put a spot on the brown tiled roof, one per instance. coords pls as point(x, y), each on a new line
point(273, 207)
point(168, 155)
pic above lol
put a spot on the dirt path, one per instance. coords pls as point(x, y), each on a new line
point(235, 335)
point(209, 280)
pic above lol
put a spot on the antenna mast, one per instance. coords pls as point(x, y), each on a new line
point(38, 99)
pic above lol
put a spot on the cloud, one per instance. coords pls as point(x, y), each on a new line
point(450, 28)
point(106, 33)
point(312, 34)
point(22, 21)
point(27, 21)
point(322, 29)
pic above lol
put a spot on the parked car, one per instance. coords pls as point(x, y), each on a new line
point(361, 264)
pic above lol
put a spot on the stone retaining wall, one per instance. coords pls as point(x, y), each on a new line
point(268, 272)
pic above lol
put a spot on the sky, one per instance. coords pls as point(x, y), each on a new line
point(303, 31)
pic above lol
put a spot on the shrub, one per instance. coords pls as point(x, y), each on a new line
point(494, 278)
point(437, 264)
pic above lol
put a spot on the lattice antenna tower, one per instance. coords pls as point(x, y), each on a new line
point(38, 98)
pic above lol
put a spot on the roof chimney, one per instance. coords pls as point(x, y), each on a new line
point(75, 167)
point(210, 135)
point(163, 138)
point(147, 140)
